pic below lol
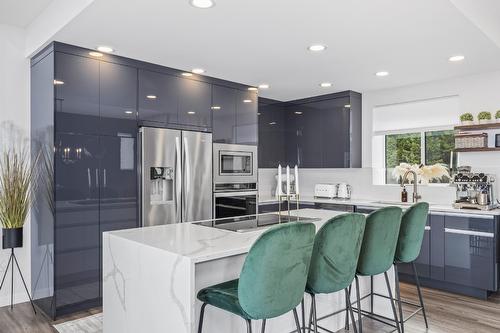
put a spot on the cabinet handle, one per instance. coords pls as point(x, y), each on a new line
point(97, 177)
point(427, 228)
point(105, 182)
point(469, 233)
point(475, 216)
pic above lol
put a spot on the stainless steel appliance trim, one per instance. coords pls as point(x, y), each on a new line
point(469, 233)
point(221, 178)
point(178, 179)
point(234, 194)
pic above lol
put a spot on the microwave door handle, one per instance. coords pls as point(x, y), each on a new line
point(177, 180)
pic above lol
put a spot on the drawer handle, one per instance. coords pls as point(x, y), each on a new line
point(476, 216)
point(469, 233)
point(427, 227)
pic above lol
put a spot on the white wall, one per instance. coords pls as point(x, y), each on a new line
point(476, 93)
point(14, 107)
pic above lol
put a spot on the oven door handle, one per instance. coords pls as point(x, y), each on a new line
point(235, 194)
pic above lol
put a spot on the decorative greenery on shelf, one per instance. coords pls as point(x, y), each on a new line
point(497, 115)
point(16, 192)
point(485, 115)
point(467, 117)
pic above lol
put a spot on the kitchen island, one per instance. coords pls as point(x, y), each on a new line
point(151, 277)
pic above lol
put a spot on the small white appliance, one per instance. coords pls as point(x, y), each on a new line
point(344, 191)
point(325, 191)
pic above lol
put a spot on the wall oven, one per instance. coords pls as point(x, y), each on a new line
point(235, 180)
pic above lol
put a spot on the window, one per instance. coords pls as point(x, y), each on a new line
point(420, 148)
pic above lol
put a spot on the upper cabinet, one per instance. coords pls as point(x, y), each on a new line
point(246, 117)
point(158, 97)
point(234, 116)
point(195, 101)
point(118, 99)
point(318, 132)
point(224, 114)
point(76, 83)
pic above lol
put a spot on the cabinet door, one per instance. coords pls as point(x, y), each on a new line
point(195, 104)
point(77, 94)
point(271, 150)
point(246, 118)
point(470, 251)
point(76, 250)
point(335, 132)
point(224, 114)
point(423, 260)
point(294, 127)
point(437, 247)
point(158, 97)
point(310, 142)
point(118, 87)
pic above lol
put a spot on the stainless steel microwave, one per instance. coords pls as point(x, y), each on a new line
point(234, 163)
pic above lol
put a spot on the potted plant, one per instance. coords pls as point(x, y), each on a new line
point(484, 117)
point(467, 118)
point(16, 194)
point(497, 116)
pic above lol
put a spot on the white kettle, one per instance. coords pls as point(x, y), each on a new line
point(344, 191)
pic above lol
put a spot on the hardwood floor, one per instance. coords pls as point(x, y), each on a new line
point(447, 313)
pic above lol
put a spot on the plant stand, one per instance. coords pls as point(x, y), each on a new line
point(12, 261)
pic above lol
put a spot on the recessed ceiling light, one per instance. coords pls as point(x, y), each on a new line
point(456, 58)
point(247, 101)
point(263, 86)
point(272, 123)
point(129, 112)
point(58, 82)
point(382, 73)
point(105, 49)
point(204, 4)
point(252, 89)
point(191, 112)
point(187, 74)
point(151, 97)
point(95, 54)
point(298, 112)
point(198, 70)
point(317, 48)
point(216, 107)
point(325, 84)
point(347, 106)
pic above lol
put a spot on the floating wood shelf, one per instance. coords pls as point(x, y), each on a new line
point(465, 150)
point(477, 127)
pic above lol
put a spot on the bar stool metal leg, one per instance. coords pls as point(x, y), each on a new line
point(371, 294)
point(392, 302)
point(314, 318)
point(297, 322)
point(398, 297)
point(202, 314)
point(351, 312)
point(360, 323)
point(420, 294)
point(249, 325)
point(302, 307)
point(263, 330)
point(347, 302)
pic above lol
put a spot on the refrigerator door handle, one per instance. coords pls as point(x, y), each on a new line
point(178, 180)
point(186, 168)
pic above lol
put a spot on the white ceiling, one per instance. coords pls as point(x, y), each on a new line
point(20, 13)
point(265, 41)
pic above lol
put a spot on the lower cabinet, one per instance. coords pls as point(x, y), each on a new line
point(422, 262)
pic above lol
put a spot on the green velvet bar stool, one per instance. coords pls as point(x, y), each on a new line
point(410, 239)
point(334, 261)
point(377, 254)
point(272, 280)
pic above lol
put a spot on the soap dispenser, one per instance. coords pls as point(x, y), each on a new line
point(404, 195)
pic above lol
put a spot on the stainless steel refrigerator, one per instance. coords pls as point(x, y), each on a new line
point(176, 176)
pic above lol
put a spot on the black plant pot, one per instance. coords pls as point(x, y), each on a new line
point(12, 238)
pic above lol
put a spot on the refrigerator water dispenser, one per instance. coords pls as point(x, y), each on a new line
point(162, 185)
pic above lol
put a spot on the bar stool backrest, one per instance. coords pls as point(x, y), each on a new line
point(411, 232)
point(274, 275)
point(335, 254)
point(379, 241)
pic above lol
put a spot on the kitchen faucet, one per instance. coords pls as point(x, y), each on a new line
point(415, 196)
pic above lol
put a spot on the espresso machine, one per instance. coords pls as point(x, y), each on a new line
point(475, 191)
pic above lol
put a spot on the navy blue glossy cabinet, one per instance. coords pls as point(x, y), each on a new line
point(76, 85)
point(118, 99)
point(271, 118)
point(195, 101)
point(246, 117)
point(224, 114)
point(158, 98)
point(319, 132)
point(423, 260)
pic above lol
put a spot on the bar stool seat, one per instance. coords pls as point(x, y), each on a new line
point(272, 280)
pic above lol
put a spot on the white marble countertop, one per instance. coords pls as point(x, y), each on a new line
point(200, 243)
point(383, 203)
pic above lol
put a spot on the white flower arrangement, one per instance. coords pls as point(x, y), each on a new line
point(425, 173)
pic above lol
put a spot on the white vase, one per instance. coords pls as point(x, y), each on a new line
point(484, 121)
point(467, 122)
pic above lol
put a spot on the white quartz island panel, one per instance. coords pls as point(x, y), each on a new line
point(151, 277)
